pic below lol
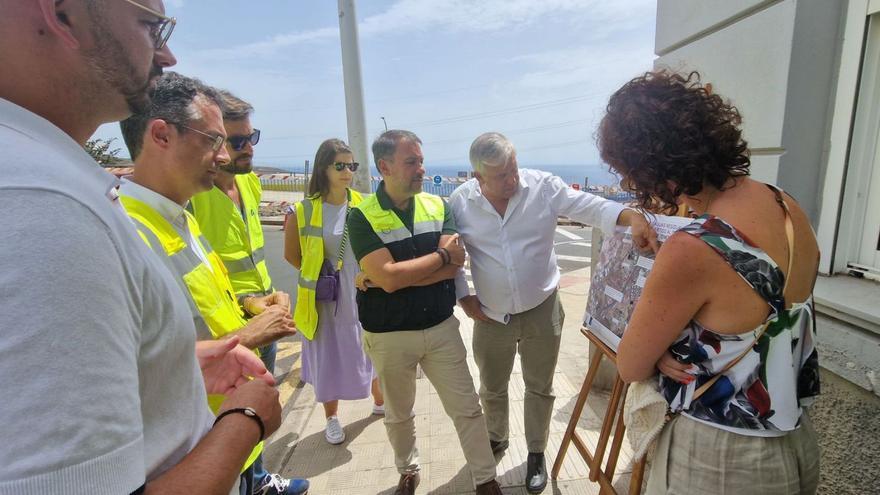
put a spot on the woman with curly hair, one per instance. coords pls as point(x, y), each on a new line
point(726, 315)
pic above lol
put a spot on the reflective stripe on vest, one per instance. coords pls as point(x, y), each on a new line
point(208, 291)
point(245, 264)
point(182, 262)
point(428, 217)
point(414, 307)
point(239, 241)
point(309, 220)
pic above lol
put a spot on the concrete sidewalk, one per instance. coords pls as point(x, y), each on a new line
point(364, 463)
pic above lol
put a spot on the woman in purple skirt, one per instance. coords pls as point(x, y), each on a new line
point(334, 362)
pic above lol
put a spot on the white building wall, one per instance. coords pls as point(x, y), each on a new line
point(780, 62)
point(752, 52)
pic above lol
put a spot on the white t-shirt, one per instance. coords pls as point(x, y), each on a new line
point(100, 387)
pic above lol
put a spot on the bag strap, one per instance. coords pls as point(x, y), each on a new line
point(340, 256)
point(789, 234)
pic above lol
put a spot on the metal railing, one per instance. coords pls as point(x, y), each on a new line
point(297, 183)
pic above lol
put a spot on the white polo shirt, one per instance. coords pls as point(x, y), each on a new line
point(101, 390)
point(512, 259)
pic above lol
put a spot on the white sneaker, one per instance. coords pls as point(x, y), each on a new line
point(379, 409)
point(334, 433)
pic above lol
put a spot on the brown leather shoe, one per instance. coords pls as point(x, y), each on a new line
point(489, 488)
point(407, 484)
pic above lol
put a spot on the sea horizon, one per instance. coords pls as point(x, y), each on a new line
point(592, 174)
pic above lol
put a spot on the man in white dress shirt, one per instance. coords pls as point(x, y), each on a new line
point(507, 219)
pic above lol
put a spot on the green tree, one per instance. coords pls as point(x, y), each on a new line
point(101, 151)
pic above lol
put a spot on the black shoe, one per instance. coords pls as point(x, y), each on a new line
point(489, 488)
point(536, 473)
point(407, 484)
point(499, 446)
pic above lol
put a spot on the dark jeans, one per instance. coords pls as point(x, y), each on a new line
point(246, 485)
point(267, 354)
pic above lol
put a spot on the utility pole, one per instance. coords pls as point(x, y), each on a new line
point(306, 183)
point(354, 93)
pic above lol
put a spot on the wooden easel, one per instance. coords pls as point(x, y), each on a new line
point(615, 408)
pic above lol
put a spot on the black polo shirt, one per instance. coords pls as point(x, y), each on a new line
point(410, 308)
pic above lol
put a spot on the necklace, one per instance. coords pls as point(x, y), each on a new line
point(709, 201)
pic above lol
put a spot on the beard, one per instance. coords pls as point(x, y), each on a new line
point(241, 165)
point(113, 68)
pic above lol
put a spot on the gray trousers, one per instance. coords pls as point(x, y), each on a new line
point(535, 334)
point(694, 458)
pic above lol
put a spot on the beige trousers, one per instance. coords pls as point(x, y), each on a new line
point(442, 355)
point(695, 458)
point(535, 334)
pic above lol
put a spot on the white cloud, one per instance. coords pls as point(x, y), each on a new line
point(405, 16)
point(596, 66)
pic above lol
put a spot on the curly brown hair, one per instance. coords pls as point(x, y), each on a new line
point(666, 135)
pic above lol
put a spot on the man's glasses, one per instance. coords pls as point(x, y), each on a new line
point(238, 142)
point(339, 166)
point(218, 140)
point(161, 29)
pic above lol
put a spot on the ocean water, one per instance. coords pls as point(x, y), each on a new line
point(571, 174)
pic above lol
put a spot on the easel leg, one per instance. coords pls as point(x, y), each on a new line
point(617, 440)
point(635, 482)
point(599, 455)
point(576, 414)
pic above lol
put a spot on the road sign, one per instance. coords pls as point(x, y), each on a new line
point(576, 186)
point(437, 180)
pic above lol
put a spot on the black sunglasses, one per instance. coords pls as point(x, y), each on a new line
point(238, 142)
point(341, 165)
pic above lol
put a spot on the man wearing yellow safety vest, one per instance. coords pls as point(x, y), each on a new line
point(406, 243)
point(229, 216)
point(177, 143)
point(229, 212)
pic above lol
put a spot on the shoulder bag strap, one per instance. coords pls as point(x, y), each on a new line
point(789, 234)
point(340, 256)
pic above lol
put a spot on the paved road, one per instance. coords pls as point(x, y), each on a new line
point(572, 249)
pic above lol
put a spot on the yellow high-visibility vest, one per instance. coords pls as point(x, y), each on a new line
point(309, 219)
point(209, 293)
point(414, 307)
point(237, 239)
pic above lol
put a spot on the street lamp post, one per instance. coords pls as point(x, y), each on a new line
point(386, 123)
point(354, 92)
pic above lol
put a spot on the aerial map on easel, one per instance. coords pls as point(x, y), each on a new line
point(618, 279)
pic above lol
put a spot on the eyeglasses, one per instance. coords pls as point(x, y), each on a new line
point(238, 142)
point(339, 166)
point(160, 30)
point(217, 139)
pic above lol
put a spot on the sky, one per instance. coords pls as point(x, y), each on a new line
point(538, 71)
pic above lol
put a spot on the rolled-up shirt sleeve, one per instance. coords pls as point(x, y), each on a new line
point(581, 206)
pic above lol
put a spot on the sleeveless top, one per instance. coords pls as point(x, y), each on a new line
point(761, 395)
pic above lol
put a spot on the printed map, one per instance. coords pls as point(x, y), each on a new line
point(618, 279)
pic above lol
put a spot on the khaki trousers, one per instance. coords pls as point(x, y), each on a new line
point(695, 458)
point(442, 356)
point(535, 334)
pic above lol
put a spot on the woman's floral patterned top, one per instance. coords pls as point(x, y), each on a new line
point(767, 388)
